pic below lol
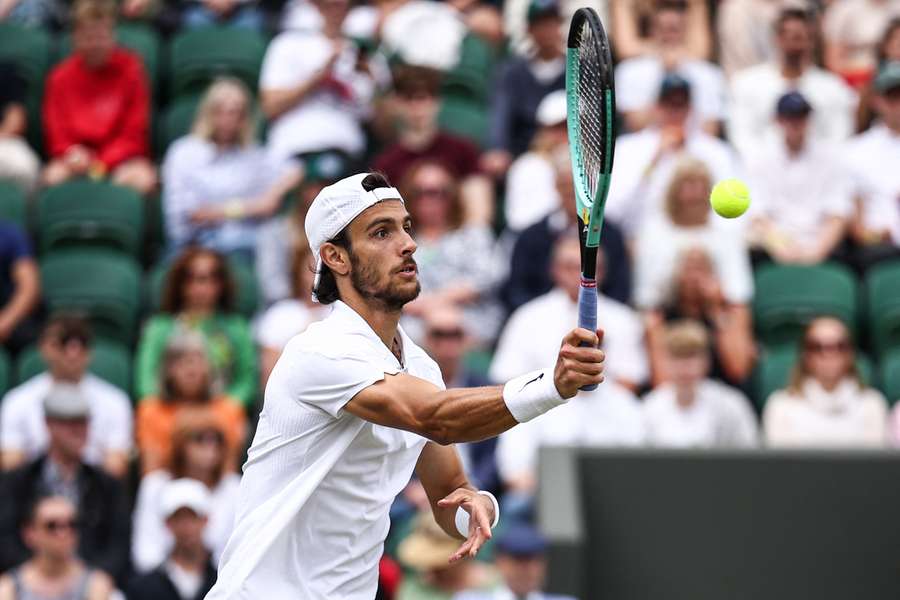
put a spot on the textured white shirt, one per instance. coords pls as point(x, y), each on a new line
point(24, 429)
point(755, 92)
point(607, 416)
point(152, 541)
point(635, 195)
point(846, 416)
point(799, 193)
point(874, 157)
point(638, 81)
point(530, 191)
point(533, 333)
point(312, 513)
point(660, 247)
point(720, 417)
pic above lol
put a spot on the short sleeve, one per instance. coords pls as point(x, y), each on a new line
point(15, 245)
point(13, 428)
point(330, 382)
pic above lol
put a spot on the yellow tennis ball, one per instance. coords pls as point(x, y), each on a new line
point(730, 198)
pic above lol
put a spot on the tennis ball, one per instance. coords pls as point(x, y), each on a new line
point(730, 198)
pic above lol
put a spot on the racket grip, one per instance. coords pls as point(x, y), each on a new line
point(587, 311)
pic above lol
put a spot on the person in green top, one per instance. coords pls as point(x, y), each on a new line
point(199, 296)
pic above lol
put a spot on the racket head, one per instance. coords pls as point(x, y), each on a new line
point(590, 98)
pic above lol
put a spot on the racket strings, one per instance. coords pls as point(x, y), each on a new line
point(591, 108)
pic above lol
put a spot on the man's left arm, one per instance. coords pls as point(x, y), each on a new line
point(449, 491)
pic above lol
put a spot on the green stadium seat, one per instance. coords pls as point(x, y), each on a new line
point(175, 121)
point(140, 38)
point(5, 375)
point(889, 375)
point(773, 371)
point(110, 361)
point(30, 49)
point(882, 287)
point(197, 57)
point(471, 77)
point(12, 203)
point(90, 213)
point(466, 118)
point(787, 297)
point(246, 287)
point(102, 284)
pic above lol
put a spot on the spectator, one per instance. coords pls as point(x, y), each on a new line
point(98, 498)
point(198, 453)
point(18, 162)
point(529, 275)
point(426, 551)
point(826, 402)
point(65, 346)
point(51, 533)
point(456, 259)
point(289, 317)
point(852, 30)
point(515, 15)
point(801, 190)
point(522, 562)
point(888, 50)
point(756, 89)
point(219, 184)
point(744, 30)
point(645, 160)
point(199, 295)
point(872, 158)
point(521, 84)
point(420, 138)
point(241, 14)
point(631, 26)
point(187, 572)
point(638, 78)
point(530, 337)
point(531, 181)
point(97, 106)
point(186, 384)
point(315, 87)
point(20, 287)
point(691, 410)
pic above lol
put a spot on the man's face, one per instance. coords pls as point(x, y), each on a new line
point(669, 27)
point(54, 531)
point(68, 436)
point(94, 41)
point(795, 40)
point(419, 109)
point(187, 528)
point(688, 370)
point(522, 574)
point(674, 109)
point(381, 260)
point(546, 32)
point(887, 105)
point(67, 357)
point(333, 11)
point(445, 336)
point(794, 128)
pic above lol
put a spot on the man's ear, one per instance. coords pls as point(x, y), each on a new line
point(335, 258)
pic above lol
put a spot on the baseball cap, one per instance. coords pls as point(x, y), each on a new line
point(792, 104)
point(888, 77)
point(335, 207)
point(673, 82)
point(184, 493)
point(538, 9)
point(553, 109)
point(65, 401)
point(521, 540)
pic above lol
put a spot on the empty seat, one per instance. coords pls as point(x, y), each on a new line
point(110, 361)
point(199, 56)
point(87, 212)
point(882, 286)
point(465, 118)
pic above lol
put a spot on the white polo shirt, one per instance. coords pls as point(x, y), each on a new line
point(312, 514)
point(873, 157)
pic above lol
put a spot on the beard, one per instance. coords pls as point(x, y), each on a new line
point(366, 280)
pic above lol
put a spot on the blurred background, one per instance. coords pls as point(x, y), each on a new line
point(157, 158)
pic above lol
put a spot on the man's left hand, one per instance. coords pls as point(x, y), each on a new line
point(481, 515)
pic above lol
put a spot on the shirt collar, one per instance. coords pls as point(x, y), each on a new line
point(343, 311)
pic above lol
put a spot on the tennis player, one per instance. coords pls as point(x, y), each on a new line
point(353, 407)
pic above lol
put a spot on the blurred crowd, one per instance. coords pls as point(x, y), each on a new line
point(121, 443)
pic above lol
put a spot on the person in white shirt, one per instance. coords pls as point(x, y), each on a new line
point(873, 158)
point(66, 348)
point(691, 410)
point(826, 402)
point(645, 160)
point(315, 89)
point(527, 340)
point(353, 407)
point(755, 90)
point(802, 198)
point(638, 78)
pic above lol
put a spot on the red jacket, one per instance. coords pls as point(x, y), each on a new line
point(105, 109)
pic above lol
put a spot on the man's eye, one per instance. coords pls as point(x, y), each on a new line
point(380, 233)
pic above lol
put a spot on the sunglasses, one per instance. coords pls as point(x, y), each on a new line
point(207, 437)
point(446, 334)
point(57, 525)
point(819, 347)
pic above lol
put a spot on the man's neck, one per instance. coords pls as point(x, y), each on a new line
point(383, 322)
point(547, 54)
point(685, 396)
point(66, 465)
point(419, 138)
point(190, 559)
point(794, 70)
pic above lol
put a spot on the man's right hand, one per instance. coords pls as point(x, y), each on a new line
point(577, 365)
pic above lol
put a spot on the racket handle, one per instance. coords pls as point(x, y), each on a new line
point(587, 311)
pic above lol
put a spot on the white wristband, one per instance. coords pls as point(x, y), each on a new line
point(531, 395)
point(462, 516)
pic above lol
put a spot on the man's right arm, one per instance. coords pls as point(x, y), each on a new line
point(472, 414)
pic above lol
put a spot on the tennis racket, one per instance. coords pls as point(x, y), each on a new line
point(591, 105)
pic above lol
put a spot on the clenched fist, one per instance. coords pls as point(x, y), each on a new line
point(579, 363)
